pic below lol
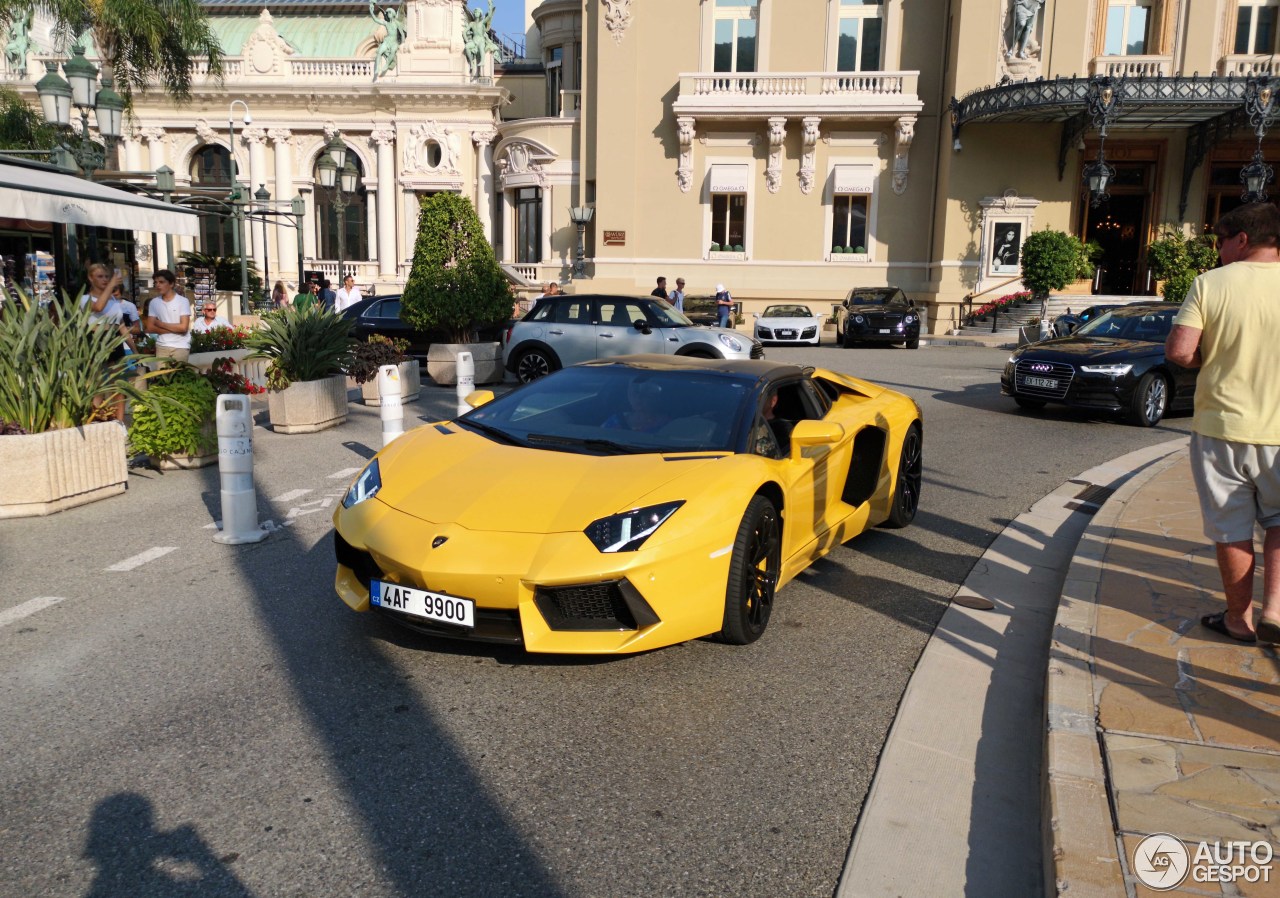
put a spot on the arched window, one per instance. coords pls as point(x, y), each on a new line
point(211, 167)
point(356, 217)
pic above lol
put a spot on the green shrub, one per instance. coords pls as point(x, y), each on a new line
point(303, 343)
point(856, 249)
point(56, 367)
point(1178, 260)
point(455, 284)
point(368, 357)
point(837, 250)
point(186, 427)
point(715, 247)
point(1050, 260)
point(739, 249)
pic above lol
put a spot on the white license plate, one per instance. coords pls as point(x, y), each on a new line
point(886, 330)
point(1047, 383)
point(420, 603)
point(786, 333)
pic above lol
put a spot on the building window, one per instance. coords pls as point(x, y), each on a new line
point(849, 222)
point(555, 83)
point(1256, 26)
point(729, 221)
point(529, 224)
point(736, 27)
point(858, 46)
point(355, 218)
point(1128, 27)
point(211, 167)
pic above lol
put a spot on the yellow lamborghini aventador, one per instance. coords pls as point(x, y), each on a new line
point(625, 504)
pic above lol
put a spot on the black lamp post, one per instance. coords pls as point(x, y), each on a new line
point(1260, 104)
point(166, 183)
point(336, 170)
point(263, 196)
point(299, 208)
point(57, 96)
point(1104, 95)
point(581, 216)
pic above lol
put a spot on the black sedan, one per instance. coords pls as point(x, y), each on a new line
point(1065, 325)
point(381, 315)
point(1115, 363)
point(879, 315)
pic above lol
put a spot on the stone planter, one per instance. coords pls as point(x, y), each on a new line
point(308, 406)
point(442, 362)
point(61, 469)
point(1029, 333)
point(410, 385)
point(203, 360)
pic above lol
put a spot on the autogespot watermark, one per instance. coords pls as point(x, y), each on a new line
point(1162, 862)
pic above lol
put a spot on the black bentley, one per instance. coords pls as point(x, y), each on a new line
point(879, 315)
point(1114, 363)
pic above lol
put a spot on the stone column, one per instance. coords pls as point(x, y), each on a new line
point(282, 191)
point(256, 138)
point(309, 231)
point(484, 179)
point(155, 159)
point(133, 152)
point(385, 139)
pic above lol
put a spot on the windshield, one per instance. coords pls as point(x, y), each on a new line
point(667, 315)
point(1150, 325)
point(872, 297)
point(619, 410)
point(787, 312)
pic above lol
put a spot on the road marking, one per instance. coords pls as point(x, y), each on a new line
point(26, 609)
point(142, 558)
point(290, 496)
point(345, 473)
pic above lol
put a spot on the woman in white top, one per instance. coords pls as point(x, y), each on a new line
point(107, 312)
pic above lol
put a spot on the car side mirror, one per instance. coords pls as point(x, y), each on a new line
point(642, 326)
point(477, 398)
point(814, 433)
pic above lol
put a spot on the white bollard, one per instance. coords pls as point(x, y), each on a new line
point(390, 405)
point(235, 467)
point(466, 380)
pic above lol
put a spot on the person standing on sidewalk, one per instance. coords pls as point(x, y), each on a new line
point(677, 296)
point(169, 317)
point(1228, 327)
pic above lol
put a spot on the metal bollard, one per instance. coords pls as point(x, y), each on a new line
point(391, 408)
point(235, 467)
point(466, 380)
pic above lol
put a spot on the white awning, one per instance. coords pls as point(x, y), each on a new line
point(855, 178)
point(39, 194)
point(730, 178)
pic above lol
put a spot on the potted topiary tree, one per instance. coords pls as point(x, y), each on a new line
point(309, 350)
point(368, 357)
point(456, 286)
point(58, 373)
point(1175, 261)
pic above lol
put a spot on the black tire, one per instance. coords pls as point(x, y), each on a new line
point(906, 487)
point(534, 363)
point(848, 340)
point(700, 354)
point(1033, 405)
point(1150, 400)
point(913, 344)
point(753, 573)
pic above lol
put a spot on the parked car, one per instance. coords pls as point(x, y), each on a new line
point(701, 310)
point(1066, 324)
point(879, 315)
point(625, 504)
point(564, 330)
point(1114, 363)
point(789, 323)
point(381, 315)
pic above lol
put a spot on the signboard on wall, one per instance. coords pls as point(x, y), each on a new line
point(615, 238)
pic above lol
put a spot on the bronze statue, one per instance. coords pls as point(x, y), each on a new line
point(394, 22)
point(15, 51)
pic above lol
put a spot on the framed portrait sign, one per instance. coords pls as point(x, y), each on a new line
point(1006, 222)
point(1006, 247)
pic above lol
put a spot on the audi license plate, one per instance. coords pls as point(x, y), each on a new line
point(786, 333)
point(1047, 383)
point(420, 603)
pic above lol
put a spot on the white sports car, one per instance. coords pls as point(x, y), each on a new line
point(789, 324)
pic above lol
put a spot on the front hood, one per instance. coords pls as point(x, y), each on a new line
point(878, 309)
point(467, 479)
point(1090, 350)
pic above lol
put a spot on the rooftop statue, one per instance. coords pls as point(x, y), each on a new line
point(19, 44)
point(1024, 26)
point(477, 44)
point(394, 22)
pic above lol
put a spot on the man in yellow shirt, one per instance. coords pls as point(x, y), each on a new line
point(1229, 326)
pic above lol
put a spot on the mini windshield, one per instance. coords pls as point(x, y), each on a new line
point(787, 312)
point(667, 315)
point(1150, 325)
point(619, 410)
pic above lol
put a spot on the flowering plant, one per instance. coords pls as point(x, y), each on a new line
point(1006, 300)
point(219, 338)
point(146, 344)
point(226, 379)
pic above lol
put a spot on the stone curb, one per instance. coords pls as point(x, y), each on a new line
point(951, 341)
point(1081, 849)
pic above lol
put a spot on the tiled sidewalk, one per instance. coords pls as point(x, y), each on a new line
point(1189, 720)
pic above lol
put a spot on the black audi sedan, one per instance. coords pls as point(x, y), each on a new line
point(1114, 363)
point(879, 315)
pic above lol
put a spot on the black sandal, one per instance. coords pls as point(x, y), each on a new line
point(1217, 622)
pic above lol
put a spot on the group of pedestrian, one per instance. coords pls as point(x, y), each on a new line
point(724, 301)
point(321, 293)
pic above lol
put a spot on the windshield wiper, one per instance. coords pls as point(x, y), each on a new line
point(604, 445)
point(494, 432)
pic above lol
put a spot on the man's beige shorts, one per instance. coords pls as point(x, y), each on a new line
point(170, 352)
point(1238, 485)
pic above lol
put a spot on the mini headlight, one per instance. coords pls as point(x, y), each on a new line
point(627, 531)
point(858, 319)
point(1116, 370)
point(732, 342)
point(365, 487)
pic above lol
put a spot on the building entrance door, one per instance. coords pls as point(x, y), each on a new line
point(1119, 226)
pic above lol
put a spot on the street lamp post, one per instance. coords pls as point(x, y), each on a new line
point(165, 183)
point(57, 96)
point(581, 216)
point(263, 196)
point(299, 209)
point(336, 170)
point(1260, 103)
point(239, 197)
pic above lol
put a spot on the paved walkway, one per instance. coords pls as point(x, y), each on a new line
point(1139, 722)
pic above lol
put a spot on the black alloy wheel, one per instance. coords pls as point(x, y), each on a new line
point(753, 573)
point(913, 343)
point(1150, 400)
point(906, 488)
point(534, 363)
point(848, 340)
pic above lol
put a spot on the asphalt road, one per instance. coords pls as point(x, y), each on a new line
point(211, 720)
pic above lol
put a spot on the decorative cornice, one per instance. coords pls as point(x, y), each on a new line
point(777, 137)
point(904, 134)
point(151, 134)
point(617, 18)
point(253, 136)
point(205, 131)
point(810, 136)
point(684, 173)
point(484, 138)
point(280, 135)
point(383, 137)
